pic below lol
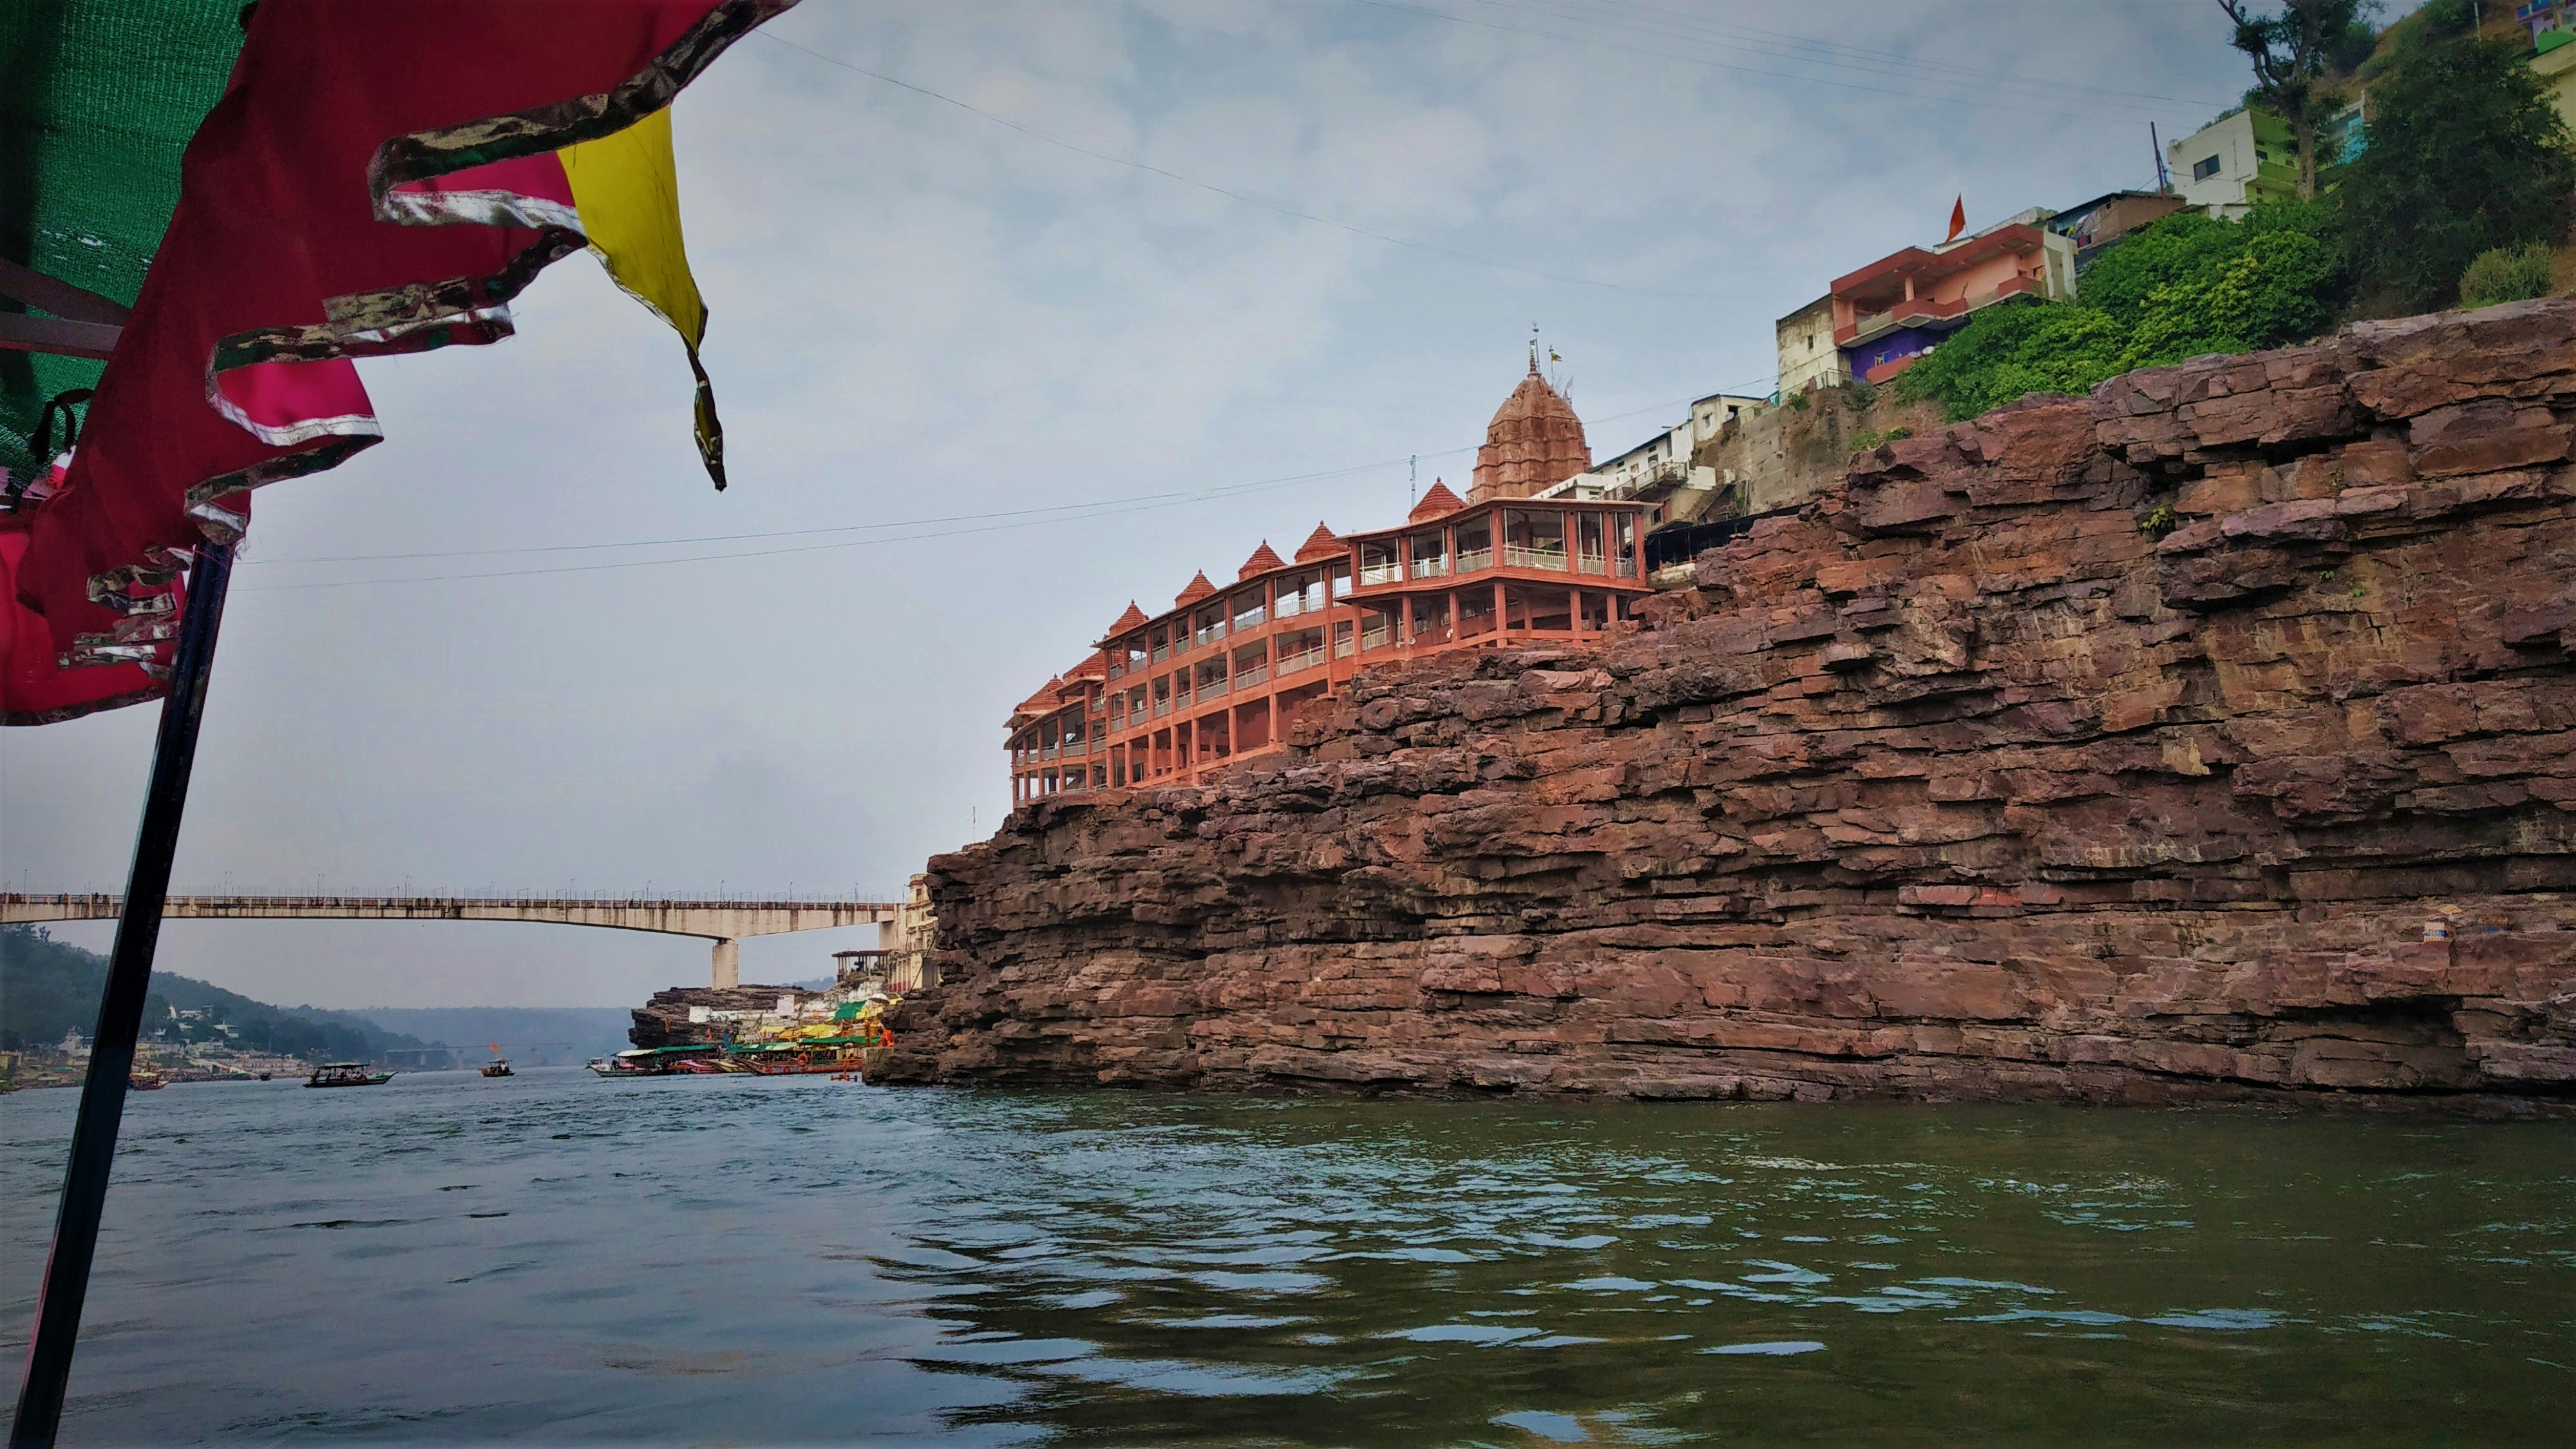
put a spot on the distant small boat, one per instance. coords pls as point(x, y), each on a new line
point(348, 1074)
point(147, 1081)
point(499, 1067)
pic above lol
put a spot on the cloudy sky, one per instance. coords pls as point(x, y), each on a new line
point(1064, 301)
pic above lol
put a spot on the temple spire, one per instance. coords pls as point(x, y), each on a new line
point(1534, 441)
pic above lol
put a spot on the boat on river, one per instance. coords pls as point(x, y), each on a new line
point(498, 1067)
point(347, 1074)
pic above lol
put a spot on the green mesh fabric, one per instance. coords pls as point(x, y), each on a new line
point(97, 100)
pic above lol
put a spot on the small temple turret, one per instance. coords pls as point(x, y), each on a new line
point(1438, 503)
point(1320, 546)
point(1261, 562)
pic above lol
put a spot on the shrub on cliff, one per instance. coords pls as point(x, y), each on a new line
point(2185, 286)
point(2007, 353)
point(2506, 274)
point(2466, 154)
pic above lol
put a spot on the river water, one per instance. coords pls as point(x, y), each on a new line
point(553, 1257)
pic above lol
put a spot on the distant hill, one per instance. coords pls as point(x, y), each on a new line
point(49, 987)
point(530, 1035)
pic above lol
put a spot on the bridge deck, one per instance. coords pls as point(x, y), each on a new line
point(721, 921)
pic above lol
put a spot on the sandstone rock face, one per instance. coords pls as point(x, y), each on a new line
point(2214, 736)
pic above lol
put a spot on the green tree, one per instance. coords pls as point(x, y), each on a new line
point(2466, 154)
point(2294, 54)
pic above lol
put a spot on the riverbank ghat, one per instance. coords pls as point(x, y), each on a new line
point(2213, 736)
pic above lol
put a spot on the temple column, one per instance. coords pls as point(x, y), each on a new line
point(728, 963)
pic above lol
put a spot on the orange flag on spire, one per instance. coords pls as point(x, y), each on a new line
point(1958, 219)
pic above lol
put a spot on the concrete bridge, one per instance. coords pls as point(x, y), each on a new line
point(724, 922)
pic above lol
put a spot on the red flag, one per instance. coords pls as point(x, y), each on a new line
point(1958, 219)
point(377, 179)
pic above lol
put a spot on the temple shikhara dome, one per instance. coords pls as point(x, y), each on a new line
point(1534, 440)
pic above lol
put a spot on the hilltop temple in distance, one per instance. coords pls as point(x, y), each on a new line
point(1170, 697)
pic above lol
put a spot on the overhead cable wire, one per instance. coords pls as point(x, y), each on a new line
point(1668, 55)
point(1027, 517)
point(1249, 198)
point(1051, 513)
point(1008, 520)
point(1835, 53)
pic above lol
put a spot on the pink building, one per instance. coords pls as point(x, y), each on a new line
point(1899, 307)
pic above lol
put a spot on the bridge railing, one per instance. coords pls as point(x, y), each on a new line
point(483, 896)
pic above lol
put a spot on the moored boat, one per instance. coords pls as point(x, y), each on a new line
point(347, 1074)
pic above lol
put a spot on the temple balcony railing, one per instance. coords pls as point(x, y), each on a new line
point(1551, 559)
point(1162, 707)
point(1251, 675)
point(1292, 663)
point(1592, 563)
point(1216, 690)
point(1431, 568)
point(1376, 638)
point(1470, 560)
point(1386, 573)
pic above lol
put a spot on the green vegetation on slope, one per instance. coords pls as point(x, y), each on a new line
point(2466, 155)
point(2185, 286)
point(2464, 183)
point(49, 987)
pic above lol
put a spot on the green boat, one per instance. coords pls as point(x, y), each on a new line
point(348, 1074)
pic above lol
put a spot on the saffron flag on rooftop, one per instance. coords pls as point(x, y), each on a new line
point(377, 178)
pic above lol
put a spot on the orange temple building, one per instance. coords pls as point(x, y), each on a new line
point(1213, 680)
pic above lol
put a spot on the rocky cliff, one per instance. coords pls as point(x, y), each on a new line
point(2214, 736)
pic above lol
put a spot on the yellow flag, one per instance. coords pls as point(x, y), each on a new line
point(627, 191)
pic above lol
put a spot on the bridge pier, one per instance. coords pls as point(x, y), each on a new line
point(728, 963)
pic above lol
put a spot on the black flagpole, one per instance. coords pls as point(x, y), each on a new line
point(120, 1009)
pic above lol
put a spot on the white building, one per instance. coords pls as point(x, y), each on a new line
point(2242, 157)
point(1808, 356)
point(1664, 459)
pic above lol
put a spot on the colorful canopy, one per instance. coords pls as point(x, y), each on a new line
point(376, 179)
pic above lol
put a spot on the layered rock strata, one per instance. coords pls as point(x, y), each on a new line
point(2211, 737)
point(694, 1015)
